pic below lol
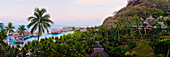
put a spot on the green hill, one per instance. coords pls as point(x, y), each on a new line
point(141, 8)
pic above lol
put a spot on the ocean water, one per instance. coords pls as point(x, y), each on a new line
point(42, 36)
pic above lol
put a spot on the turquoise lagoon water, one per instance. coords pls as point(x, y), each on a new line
point(42, 36)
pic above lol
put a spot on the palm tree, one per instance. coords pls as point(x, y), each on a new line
point(9, 29)
point(39, 21)
point(2, 35)
point(138, 23)
point(145, 27)
point(131, 21)
point(21, 31)
point(118, 28)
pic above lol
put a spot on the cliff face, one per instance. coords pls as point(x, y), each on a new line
point(141, 8)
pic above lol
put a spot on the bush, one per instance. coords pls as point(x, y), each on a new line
point(160, 46)
point(134, 54)
point(117, 52)
point(161, 55)
point(128, 54)
point(96, 54)
point(131, 44)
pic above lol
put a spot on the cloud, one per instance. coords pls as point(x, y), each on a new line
point(92, 2)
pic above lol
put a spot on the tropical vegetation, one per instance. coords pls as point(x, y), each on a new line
point(124, 39)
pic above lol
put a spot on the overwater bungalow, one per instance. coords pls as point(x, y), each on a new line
point(15, 35)
point(66, 29)
point(34, 34)
point(54, 31)
point(61, 30)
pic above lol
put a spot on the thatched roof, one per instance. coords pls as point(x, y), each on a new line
point(150, 18)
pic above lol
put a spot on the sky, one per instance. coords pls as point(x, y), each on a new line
point(62, 12)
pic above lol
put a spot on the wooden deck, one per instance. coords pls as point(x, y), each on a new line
point(16, 41)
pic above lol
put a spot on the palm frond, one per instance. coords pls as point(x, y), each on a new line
point(31, 24)
point(34, 28)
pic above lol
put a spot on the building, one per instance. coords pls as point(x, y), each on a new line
point(150, 19)
point(148, 26)
point(129, 17)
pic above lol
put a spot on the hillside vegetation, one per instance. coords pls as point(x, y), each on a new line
point(143, 9)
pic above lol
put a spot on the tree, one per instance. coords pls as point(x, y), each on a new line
point(131, 21)
point(39, 21)
point(118, 28)
point(138, 23)
point(2, 35)
point(10, 27)
point(3, 45)
point(145, 27)
point(160, 46)
point(21, 31)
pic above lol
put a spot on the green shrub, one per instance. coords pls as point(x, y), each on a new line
point(161, 55)
point(134, 54)
point(96, 54)
point(128, 54)
point(131, 44)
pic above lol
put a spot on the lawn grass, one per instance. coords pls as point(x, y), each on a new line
point(143, 49)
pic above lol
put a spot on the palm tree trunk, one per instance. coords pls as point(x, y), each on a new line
point(9, 43)
point(168, 53)
point(140, 33)
point(22, 46)
point(37, 44)
point(145, 30)
point(118, 33)
point(131, 33)
point(22, 50)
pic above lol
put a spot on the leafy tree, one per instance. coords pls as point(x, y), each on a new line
point(131, 44)
point(160, 46)
point(168, 22)
point(118, 51)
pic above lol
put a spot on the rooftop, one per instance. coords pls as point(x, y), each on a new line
point(150, 17)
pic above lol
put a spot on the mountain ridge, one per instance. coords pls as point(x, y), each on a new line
point(142, 8)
